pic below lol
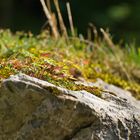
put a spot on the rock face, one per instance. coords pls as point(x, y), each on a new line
point(32, 109)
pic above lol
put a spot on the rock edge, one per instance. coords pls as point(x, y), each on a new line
point(32, 109)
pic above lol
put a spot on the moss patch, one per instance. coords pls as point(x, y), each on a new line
point(62, 62)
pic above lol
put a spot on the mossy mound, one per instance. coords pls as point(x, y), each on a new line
point(62, 62)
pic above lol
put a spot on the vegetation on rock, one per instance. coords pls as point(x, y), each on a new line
point(63, 61)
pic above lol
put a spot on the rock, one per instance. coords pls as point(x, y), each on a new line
point(32, 109)
point(126, 95)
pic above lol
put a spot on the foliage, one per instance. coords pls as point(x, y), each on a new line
point(62, 62)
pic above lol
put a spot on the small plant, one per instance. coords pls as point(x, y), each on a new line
point(62, 62)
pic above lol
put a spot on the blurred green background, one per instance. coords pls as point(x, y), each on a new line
point(122, 17)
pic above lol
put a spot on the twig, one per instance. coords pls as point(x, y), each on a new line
point(70, 19)
point(112, 46)
point(49, 5)
point(89, 34)
point(107, 38)
point(94, 30)
point(50, 20)
point(61, 22)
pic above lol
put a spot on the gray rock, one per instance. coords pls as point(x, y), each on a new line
point(126, 95)
point(32, 109)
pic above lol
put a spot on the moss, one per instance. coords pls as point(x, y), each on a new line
point(54, 90)
point(94, 90)
point(63, 62)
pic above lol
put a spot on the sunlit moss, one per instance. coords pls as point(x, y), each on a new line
point(62, 62)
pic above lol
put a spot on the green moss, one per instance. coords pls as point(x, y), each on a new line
point(94, 90)
point(63, 62)
point(98, 72)
point(54, 90)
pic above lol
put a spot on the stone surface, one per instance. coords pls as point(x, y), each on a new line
point(123, 94)
point(32, 109)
